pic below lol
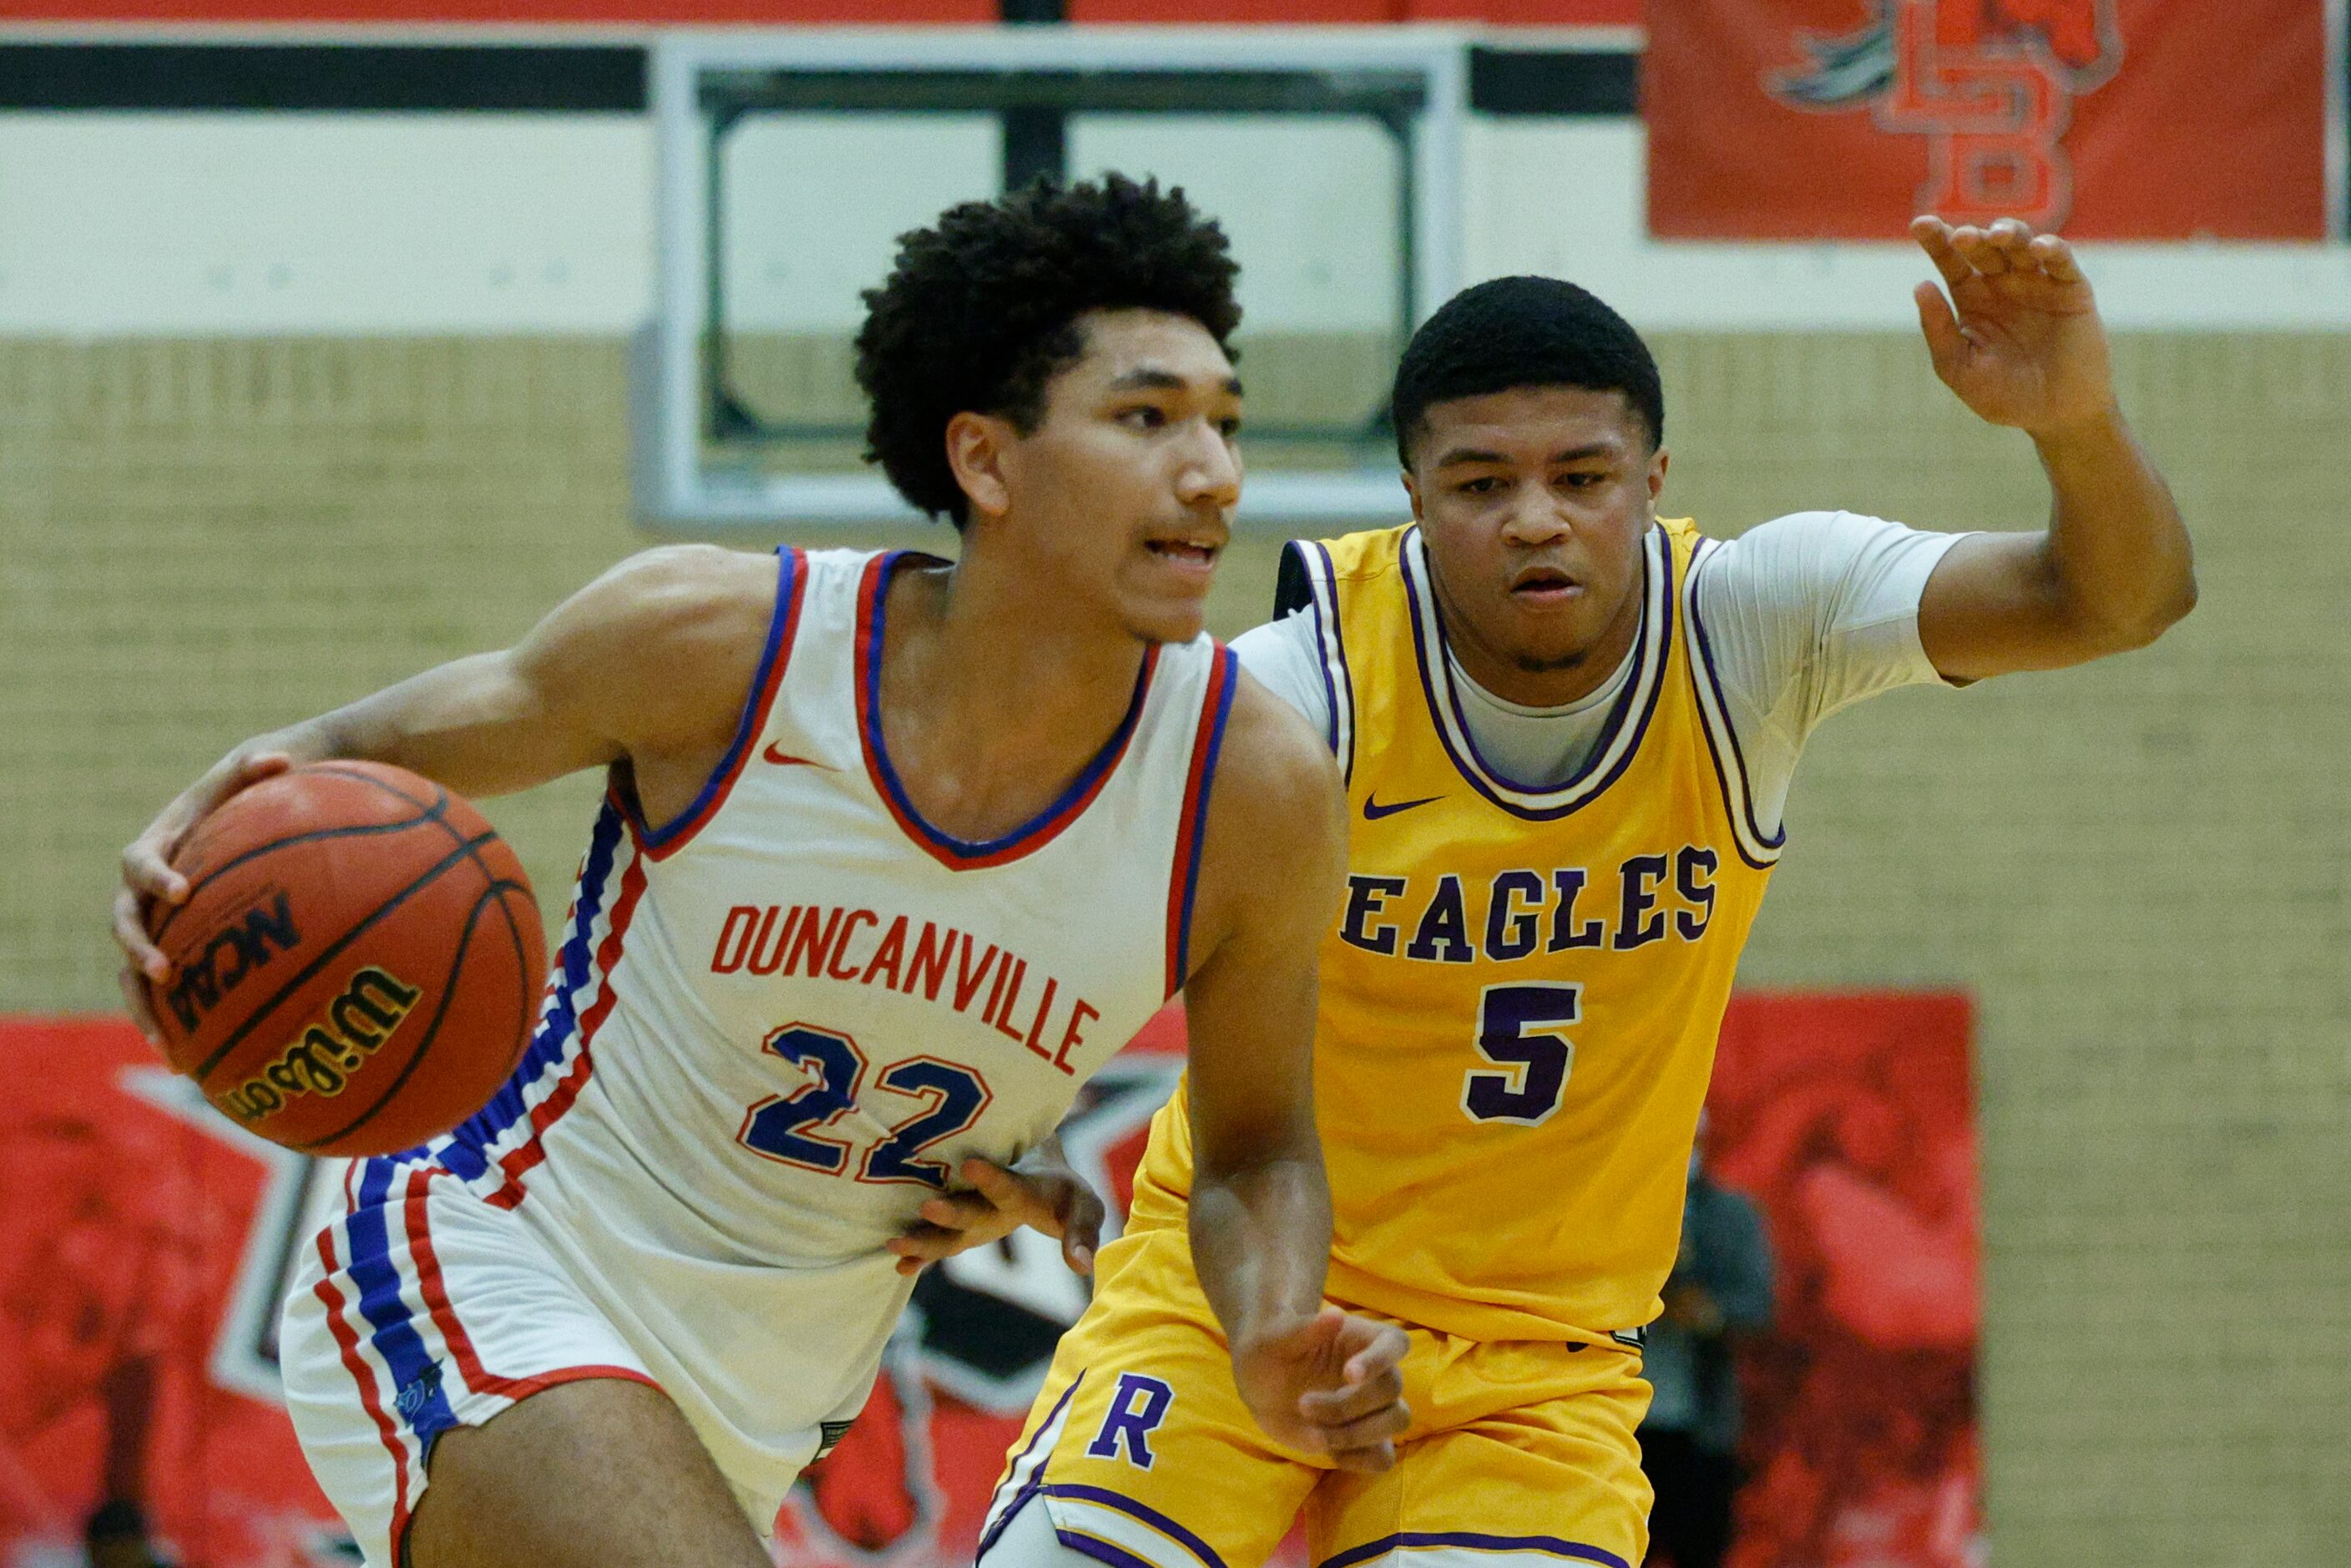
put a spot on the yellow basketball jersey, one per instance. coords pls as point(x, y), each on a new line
point(1521, 994)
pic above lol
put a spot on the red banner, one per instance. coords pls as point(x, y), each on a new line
point(1849, 1121)
point(2111, 118)
point(146, 1247)
point(148, 1243)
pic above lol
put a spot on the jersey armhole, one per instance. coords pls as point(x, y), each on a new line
point(660, 844)
point(1757, 848)
point(1192, 824)
point(1307, 583)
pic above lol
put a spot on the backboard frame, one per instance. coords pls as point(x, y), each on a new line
point(677, 488)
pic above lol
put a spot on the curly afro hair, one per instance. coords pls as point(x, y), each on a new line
point(1523, 332)
point(980, 311)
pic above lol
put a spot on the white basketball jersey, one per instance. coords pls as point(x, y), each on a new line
point(778, 1022)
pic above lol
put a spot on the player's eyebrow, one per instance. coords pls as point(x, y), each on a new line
point(1463, 456)
point(1149, 378)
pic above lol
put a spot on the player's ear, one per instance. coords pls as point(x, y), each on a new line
point(1412, 489)
point(977, 445)
point(1657, 461)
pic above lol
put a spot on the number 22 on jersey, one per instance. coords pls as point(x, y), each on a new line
point(791, 1128)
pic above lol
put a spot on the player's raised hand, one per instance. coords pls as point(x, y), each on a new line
point(147, 878)
point(2019, 339)
point(1041, 1192)
point(1330, 1383)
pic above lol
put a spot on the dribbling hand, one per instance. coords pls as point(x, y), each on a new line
point(1041, 1193)
point(147, 878)
point(1329, 1385)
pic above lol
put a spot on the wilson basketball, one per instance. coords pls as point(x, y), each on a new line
point(358, 964)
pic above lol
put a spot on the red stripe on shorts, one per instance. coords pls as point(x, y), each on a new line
point(435, 1291)
point(348, 1343)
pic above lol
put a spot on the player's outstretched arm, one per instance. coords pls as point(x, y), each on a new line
point(2020, 341)
point(655, 656)
point(1273, 864)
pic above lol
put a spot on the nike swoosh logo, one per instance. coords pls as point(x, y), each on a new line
point(783, 759)
point(1374, 811)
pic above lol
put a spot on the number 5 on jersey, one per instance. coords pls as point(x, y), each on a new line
point(1519, 1030)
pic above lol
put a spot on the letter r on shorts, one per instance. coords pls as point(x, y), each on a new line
point(1137, 1408)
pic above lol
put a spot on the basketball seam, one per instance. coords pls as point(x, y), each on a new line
point(490, 875)
point(437, 812)
point(361, 829)
point(236, 1037)
point(493, 894)
point(535, 987)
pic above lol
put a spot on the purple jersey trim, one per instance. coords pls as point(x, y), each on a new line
point(1477, 1541)
point(1475, 769)
point(1738, 798)
point(1035, 1483)
point(1101, 1550)
point(1324, 604)
point(1150, 1516)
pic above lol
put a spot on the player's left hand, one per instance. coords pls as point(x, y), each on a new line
point(2018, 340)
point(1332, 1383)
point(1041, 1192)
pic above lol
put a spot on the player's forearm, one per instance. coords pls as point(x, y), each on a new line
point(465, 724)
point(1261, 1238)
point(2120, 564)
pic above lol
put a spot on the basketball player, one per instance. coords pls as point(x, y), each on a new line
point(1568, 730)
point(895, 855)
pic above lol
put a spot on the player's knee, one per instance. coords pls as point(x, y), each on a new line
point(603, 1472)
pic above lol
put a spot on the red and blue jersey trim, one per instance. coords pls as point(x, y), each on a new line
point(389, 1292)
point(660, 844)
point(955, 853)
point(503, 1140)
point(1192, 825)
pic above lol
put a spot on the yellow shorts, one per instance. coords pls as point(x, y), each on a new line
point(1520, 1452)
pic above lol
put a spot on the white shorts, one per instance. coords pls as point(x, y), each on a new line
point(423, 1308)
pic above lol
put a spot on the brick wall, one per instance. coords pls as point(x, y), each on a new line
point(2138, 868)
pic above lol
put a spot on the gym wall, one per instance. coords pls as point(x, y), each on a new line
point(232, 496)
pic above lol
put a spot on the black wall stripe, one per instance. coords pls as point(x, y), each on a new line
point(371, 78)
point(572, 78)
point(1554, 81)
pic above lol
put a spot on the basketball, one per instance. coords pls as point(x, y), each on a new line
point(358, 961)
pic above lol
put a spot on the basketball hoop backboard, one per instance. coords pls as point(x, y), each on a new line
point(789, 161)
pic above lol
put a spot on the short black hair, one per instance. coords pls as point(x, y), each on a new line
point(1523, 332)
point(980, 311)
